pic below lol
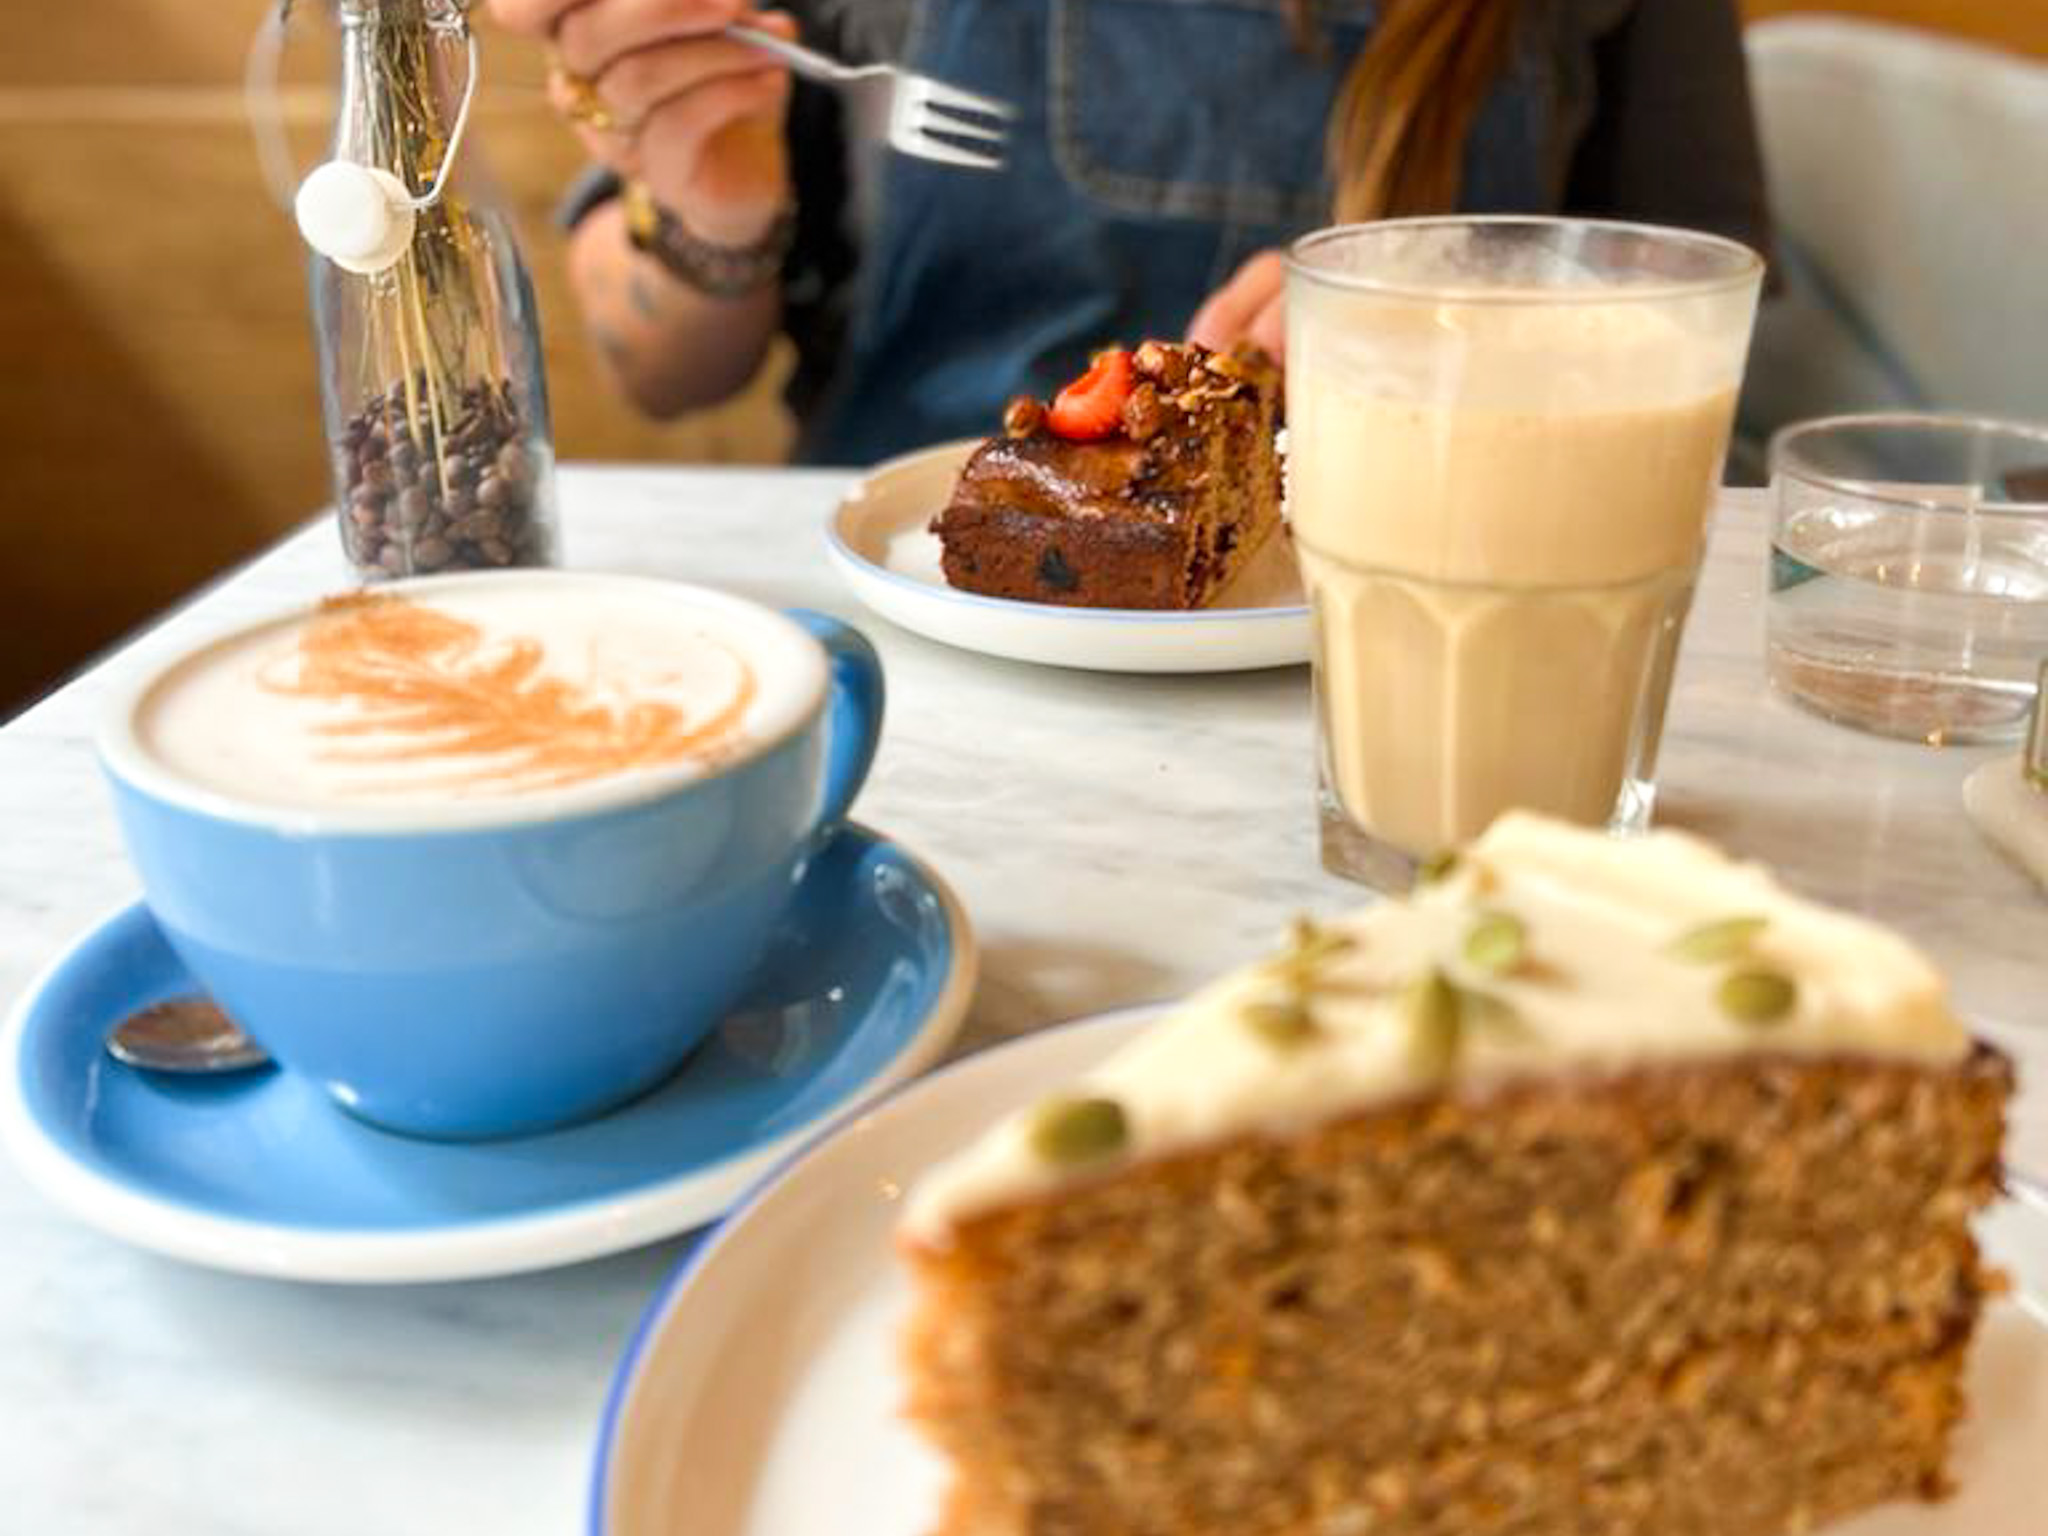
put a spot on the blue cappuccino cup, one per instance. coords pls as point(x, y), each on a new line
point(488, 854)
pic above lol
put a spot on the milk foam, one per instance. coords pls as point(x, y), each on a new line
point(477, 689)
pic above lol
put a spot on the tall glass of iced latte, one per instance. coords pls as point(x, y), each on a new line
point(1504, 437)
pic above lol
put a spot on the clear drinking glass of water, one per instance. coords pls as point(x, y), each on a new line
point(1909, 572)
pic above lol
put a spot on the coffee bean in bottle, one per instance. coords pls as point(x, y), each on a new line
point(477, 504)
point(436, 402)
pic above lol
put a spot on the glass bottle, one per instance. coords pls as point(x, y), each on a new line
point(436, 404)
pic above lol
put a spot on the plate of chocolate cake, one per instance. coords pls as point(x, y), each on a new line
point(1131, 524)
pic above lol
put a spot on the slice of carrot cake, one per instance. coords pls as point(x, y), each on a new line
point(1600, 1188)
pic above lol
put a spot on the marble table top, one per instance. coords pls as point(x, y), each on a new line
point(1115, 839)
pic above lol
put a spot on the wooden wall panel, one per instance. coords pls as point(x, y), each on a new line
point(159, 408)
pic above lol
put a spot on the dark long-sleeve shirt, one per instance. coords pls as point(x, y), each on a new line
point(1638, 109)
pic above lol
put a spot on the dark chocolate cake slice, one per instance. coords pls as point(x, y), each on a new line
point(1149, 483)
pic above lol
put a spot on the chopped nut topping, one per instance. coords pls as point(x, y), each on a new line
point(1022, 416)
point(1201, 389)
point(1167, 365)
point(1144, 412)
point(1229, 365)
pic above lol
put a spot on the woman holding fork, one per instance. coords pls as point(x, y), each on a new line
point(1161, 154)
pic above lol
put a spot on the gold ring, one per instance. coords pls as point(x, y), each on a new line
point(585, 106)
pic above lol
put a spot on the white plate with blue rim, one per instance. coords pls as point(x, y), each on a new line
point(868, 978)
point(761, 1394)
point(881, 542)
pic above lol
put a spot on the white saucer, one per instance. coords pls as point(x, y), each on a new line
point(881, 542)
point(761, 1395)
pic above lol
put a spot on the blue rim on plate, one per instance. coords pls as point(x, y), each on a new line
point(868, 978)
point(2016, 1238)
point(634, 1358)
point(802, 1207)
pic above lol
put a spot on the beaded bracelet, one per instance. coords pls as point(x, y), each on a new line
point(717, 271)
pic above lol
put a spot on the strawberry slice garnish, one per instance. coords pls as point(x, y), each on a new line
point(1091, 408)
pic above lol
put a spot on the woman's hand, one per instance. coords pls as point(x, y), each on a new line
point(695, 116)
point(1248, 308)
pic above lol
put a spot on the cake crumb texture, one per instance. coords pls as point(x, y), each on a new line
point(1707, 1298)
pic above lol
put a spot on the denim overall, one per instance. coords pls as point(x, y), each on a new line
point(1157, 144)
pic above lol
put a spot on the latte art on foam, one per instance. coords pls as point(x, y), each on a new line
point(479, 690)
point(423, 686)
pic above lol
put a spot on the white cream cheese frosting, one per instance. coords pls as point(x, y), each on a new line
point(1601, 953)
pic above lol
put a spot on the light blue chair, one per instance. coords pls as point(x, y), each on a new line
point(1909, 178)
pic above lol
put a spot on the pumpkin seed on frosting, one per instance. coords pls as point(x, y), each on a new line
point(1309, 944)
point(1283, 1023)
point(1299, 968)
point(1713, 943)
point(1496, 943)
point(1434, 1012)
point(1073, 1131)
point(1439, 866)
point(1758, 997)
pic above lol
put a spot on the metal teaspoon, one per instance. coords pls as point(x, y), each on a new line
point(184, 1034)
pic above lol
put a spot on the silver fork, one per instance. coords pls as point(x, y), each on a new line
point(901, 107)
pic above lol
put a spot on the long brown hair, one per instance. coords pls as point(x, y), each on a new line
point(1396, 136)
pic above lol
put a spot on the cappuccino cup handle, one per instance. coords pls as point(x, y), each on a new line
point(853, 718)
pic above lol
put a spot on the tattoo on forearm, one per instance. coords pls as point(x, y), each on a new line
point(646, 302)
point(613, 346)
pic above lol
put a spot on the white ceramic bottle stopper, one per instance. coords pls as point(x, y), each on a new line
point(357, 216)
